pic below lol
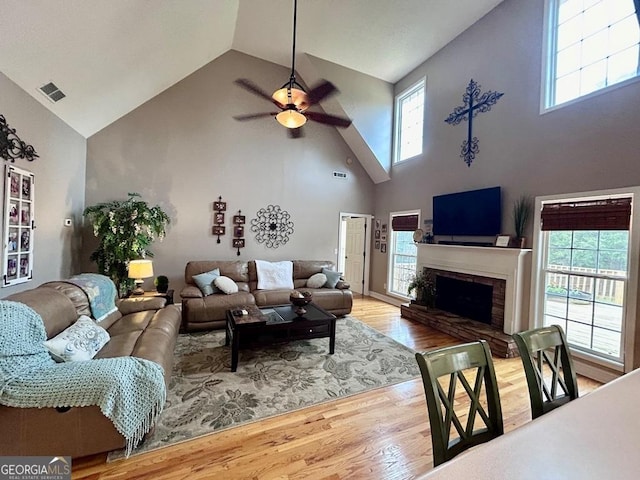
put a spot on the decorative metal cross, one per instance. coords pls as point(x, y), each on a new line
point(474, 103)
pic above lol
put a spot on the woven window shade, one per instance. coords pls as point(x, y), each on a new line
point(611, 214)
point(404, 223)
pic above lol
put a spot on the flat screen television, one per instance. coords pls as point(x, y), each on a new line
point(472, 213)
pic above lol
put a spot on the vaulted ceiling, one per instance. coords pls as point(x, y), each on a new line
point(110, 56)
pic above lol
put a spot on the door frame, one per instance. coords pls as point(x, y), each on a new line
point(340, 260)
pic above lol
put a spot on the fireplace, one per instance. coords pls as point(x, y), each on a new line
point(471, 296)
point(504, 272)
point(467, 299)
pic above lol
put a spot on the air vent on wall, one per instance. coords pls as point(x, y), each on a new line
point(340, 174)
point(52, 92)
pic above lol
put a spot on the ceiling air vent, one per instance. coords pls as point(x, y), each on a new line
point(340, 174)
point(52, 92)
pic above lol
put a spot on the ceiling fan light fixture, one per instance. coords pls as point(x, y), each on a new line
point(292, 96)
point(291, 119)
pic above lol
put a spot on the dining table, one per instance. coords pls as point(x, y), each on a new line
point(596, 436)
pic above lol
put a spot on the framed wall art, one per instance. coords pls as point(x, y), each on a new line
point(502, 240)
point(238, 231)
point(19, 223)
point(219, 208)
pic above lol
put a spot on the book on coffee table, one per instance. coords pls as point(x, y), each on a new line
point(256, 316)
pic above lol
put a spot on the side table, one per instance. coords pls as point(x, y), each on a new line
point(153, 293)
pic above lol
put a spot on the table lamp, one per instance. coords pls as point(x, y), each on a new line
point(139, 270)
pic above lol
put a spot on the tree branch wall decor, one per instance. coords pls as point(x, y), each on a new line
point(11, 146)
point(272, 226)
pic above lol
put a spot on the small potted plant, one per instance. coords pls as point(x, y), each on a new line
point(522, 208)
point(162, 284)
point(425, 287)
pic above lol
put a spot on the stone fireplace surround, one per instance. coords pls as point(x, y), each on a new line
point(508, 270)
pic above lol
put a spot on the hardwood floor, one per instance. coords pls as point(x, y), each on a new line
point(382, 434)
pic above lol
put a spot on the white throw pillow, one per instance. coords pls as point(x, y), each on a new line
point(78, 342)
point(225, 284)
point(274, 275)
point(316, 280)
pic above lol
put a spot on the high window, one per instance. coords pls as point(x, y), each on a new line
point(403, 253)
point(586, 282)
point(409, 122)
point(592, 45)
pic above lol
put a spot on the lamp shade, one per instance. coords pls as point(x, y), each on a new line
point(295, 96)
point(140, 269)
point(291, 119)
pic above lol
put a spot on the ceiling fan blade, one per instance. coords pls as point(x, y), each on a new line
point(295, 132)
point(251, 116)
point(328, 119)
point(253, 88)
point(321, 91)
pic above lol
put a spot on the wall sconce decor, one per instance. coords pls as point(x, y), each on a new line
point(218, 218)
point(238, 231)
point(11, 146)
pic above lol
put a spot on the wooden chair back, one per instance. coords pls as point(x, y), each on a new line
point(471, 366)
point(551, 377)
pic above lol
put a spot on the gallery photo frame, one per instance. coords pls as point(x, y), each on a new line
point(18, 227)
point(503, 240)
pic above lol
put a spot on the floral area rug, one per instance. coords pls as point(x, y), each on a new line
point(205, 396)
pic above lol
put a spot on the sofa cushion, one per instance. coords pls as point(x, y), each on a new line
point(225, 284)
point(317, 280)
point(333, 278)
point(274, 275)
point(79, 342)
point(205, 281)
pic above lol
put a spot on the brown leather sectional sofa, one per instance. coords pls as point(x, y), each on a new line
point(141, 327)
point(201, 312)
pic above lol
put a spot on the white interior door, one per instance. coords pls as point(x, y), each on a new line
point(354, 253)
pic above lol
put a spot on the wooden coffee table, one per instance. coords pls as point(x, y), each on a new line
point(268, 326)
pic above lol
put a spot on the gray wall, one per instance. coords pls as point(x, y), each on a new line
point(589, 145)
point(59, 184)
point(183, 149)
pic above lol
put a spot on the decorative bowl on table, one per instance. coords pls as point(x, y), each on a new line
point(300, 300)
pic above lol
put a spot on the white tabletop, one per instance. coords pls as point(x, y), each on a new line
point(593, 437)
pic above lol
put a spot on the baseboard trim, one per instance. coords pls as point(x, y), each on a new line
point(387, 299)
point(595, 372)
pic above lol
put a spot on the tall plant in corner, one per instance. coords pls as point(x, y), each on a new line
point(125, 228)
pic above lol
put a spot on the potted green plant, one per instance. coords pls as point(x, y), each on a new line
point(162, 284)
point(522, 208)
point(125, 229)
point(425, 287)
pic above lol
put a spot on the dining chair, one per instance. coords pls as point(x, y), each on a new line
point(551, 377)
point(468, 364)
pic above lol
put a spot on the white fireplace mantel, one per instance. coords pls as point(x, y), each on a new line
point(510, 264)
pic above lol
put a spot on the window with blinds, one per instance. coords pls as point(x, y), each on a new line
point(586, 272)
point(403, 253)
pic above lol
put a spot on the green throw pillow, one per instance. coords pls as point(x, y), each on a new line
point(333, 278)
point(204, 281)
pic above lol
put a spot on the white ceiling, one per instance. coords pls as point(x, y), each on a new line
point(110, 56)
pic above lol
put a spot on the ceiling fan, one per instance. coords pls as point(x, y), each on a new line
point(292, 100)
